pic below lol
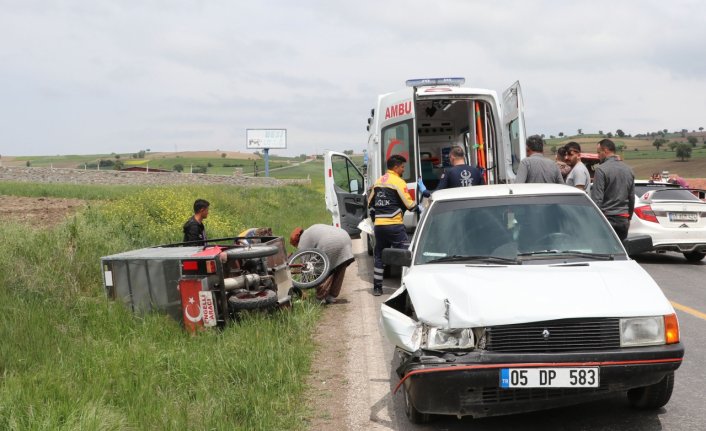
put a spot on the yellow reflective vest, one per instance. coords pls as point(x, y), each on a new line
point(389, 198)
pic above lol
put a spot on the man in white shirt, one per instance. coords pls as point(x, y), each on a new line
point(579, 176)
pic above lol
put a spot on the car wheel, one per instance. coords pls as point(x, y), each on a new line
point(252, 301)
point(414, 415)
point(653, 396)
point(694, 256)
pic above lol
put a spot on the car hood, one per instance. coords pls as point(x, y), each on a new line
point(459, 296)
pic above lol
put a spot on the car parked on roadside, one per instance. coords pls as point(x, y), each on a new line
point(674, 217)
point(519, 297)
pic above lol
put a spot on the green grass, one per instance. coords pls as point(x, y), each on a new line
point(71, 360)
point(88, 192)
point(217, 167)
point(313, 170)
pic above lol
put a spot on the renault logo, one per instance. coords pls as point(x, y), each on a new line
point(545, 334)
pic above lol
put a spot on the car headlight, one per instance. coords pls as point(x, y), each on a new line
point(449, 339)
point(642, 331)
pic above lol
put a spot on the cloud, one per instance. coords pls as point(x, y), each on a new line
point(80, 77)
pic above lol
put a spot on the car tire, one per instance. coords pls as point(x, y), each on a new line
point(694, 256)
point(252, 252)
point(253, 300)
point(414, 415)
point(653, 396)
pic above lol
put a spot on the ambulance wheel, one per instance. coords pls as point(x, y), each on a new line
point(253, 300)
point(252, 252)
point(309, 268)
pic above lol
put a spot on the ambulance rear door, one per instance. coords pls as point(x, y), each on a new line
point(345, 192)
point(514, 135)
point(398, 136)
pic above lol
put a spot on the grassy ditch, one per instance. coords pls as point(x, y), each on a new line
point(69, 359)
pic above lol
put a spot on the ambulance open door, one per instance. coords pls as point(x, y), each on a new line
point(514, 135)
point(345, 192)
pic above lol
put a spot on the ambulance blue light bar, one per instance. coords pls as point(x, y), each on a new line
point(435, 81)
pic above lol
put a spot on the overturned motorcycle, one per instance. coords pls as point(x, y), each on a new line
point(206, 286)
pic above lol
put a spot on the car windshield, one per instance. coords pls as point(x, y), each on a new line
point(522, 228)
point(666, 193)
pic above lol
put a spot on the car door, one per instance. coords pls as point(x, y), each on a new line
point(345, 192)
point(513, 129)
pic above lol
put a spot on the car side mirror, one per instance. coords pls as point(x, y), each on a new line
point(353, 186)
point(637, 244)
point(397, 257)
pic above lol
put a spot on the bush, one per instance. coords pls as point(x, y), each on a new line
point(179, 167)
point(199, 170)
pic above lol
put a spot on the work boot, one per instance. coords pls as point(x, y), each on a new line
point(377, 291)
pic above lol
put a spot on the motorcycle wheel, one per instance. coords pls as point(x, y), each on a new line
point(309, 268)
point(253, 300)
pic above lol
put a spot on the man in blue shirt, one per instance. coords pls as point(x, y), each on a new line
point(460, 174)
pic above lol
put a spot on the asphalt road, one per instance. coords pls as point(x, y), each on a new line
point(684, 284)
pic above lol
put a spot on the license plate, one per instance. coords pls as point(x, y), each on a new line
point(584, 377)
point(683, 217)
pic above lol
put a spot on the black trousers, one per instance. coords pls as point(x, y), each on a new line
point(386, 237)
point(620, 225)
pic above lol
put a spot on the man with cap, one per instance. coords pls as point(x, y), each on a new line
point(336, 244)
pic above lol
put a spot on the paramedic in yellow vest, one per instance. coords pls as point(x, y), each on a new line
point(388, 200)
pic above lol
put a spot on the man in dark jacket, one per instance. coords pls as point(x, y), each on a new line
point(613, 188)
point(460, 174)
point(193, 228)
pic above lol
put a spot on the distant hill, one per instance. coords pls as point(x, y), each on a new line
point(642, 156)
point(204, 155)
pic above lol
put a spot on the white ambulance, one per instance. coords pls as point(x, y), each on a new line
point(422, 122)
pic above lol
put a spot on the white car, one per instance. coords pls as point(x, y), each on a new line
point(675, 218)
point(519, 297)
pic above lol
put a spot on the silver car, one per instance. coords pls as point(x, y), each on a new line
point(674, 217)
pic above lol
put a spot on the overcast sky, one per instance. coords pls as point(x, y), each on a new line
point(101, 76)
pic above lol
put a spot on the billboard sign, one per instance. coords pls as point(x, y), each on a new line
point(256, 139)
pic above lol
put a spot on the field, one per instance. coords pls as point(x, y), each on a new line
point(643, 157)
point(71, 360)
point(213, 161)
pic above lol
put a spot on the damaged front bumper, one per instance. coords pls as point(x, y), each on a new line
point(468, 384)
